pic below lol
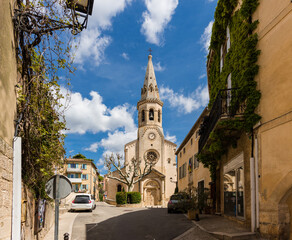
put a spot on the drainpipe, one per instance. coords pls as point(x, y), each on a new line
point(257, 183)
point(252, 186)
point(16, 194)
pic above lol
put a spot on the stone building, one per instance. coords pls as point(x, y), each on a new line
point(191, 173)
point(8, 80)
point(83, 175)
point(254, 169)
point(157, 187)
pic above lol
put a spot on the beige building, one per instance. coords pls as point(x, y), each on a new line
point(191, 173)
point(8, 80)
point(83, 175)
point(157, 187)
point(254, 168)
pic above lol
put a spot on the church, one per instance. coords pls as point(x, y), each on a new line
point(157, 187)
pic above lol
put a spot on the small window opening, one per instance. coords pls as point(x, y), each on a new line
point(143, 115)
point(151, 114)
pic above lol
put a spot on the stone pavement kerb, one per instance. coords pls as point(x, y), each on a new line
point(66, 222)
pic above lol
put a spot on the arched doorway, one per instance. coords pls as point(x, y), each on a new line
point(152, 195)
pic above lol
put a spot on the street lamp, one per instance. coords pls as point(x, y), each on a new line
point(27, 19)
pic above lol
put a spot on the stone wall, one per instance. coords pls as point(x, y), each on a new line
point(29, 217)
point(6, 154)
point(8, 77)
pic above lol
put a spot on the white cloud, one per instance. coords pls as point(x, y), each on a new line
point(104, 11)
point(170, 138)
point(92, 148)
point(188, 104)
point(158, 67)
point(206, 36)
point(113, 143)
point(156, 18)
point(202, 76)
point(125, 56)
point(92, 115)
point(91, 45)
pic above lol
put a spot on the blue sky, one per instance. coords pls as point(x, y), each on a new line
point(111, 62)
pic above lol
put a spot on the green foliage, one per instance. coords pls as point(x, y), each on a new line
point(121, 198)
point(40, 117)
point(100, 197)
point(241, 62)
point(79, 156)
point(100, 178)
point(133, 197)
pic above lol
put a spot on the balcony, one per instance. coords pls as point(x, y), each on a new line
point(75, 180)
point(74, 170)
point(228, 105)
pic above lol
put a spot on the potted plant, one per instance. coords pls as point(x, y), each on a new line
point(193, 205)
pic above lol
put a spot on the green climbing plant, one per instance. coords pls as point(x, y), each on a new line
point(42, 58)
point(241, 62)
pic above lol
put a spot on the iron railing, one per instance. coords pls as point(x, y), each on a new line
point(229, 103)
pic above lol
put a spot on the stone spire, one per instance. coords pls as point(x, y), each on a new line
point(150, 89)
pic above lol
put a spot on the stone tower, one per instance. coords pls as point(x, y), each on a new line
point(157, 187)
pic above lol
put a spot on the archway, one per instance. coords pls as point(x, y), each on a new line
point(151, 193)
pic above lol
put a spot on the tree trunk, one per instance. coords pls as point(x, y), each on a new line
point(130, 188)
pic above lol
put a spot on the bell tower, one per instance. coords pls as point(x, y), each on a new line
point(150, 142)
point(150, 106)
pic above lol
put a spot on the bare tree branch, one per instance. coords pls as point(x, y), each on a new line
point(130, 173)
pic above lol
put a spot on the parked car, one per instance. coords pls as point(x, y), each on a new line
point(178, 203)
point(83, 202)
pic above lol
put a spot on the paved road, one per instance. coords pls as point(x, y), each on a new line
point(112, 223)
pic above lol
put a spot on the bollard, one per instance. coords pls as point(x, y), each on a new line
point(66, 236)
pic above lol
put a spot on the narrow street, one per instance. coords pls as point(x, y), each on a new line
point(111, 223)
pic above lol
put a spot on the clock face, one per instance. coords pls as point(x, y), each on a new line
point(151, 136)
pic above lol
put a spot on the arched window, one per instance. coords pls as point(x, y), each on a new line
point(151, 114)
point(158, 115)
point(119, 188)
point(143, 116)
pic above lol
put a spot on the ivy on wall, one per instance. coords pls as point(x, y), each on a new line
point(40, 121)
point(241, 63)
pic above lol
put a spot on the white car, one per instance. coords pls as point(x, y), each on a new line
point(83, 202)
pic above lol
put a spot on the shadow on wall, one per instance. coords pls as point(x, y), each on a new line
point(145, 224)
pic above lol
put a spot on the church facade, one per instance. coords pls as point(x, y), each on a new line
point(150, 145)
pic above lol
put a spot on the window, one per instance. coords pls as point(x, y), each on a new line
point(196, 162)
point(184, 150)
point(151, 114)
point(224, 48)
point(143, 116)
point(73, 175)
point(197, 134)
point(191, 165)
point(234, 192)
point(119, 188)
point(180, 154)
point(84, 166)
point(158, 115)
point(191, 141)
point(84, 186)
point(185, 169)
point(73, 165)
point(85, 176)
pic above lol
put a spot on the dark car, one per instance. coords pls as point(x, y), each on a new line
point(178, 203)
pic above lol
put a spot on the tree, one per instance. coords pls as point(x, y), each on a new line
point(130, 173)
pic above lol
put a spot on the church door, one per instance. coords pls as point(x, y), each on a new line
point(151, 197)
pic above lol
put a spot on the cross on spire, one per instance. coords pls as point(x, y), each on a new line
point(150, 51)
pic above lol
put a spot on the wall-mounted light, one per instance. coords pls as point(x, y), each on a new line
point(28, 20)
